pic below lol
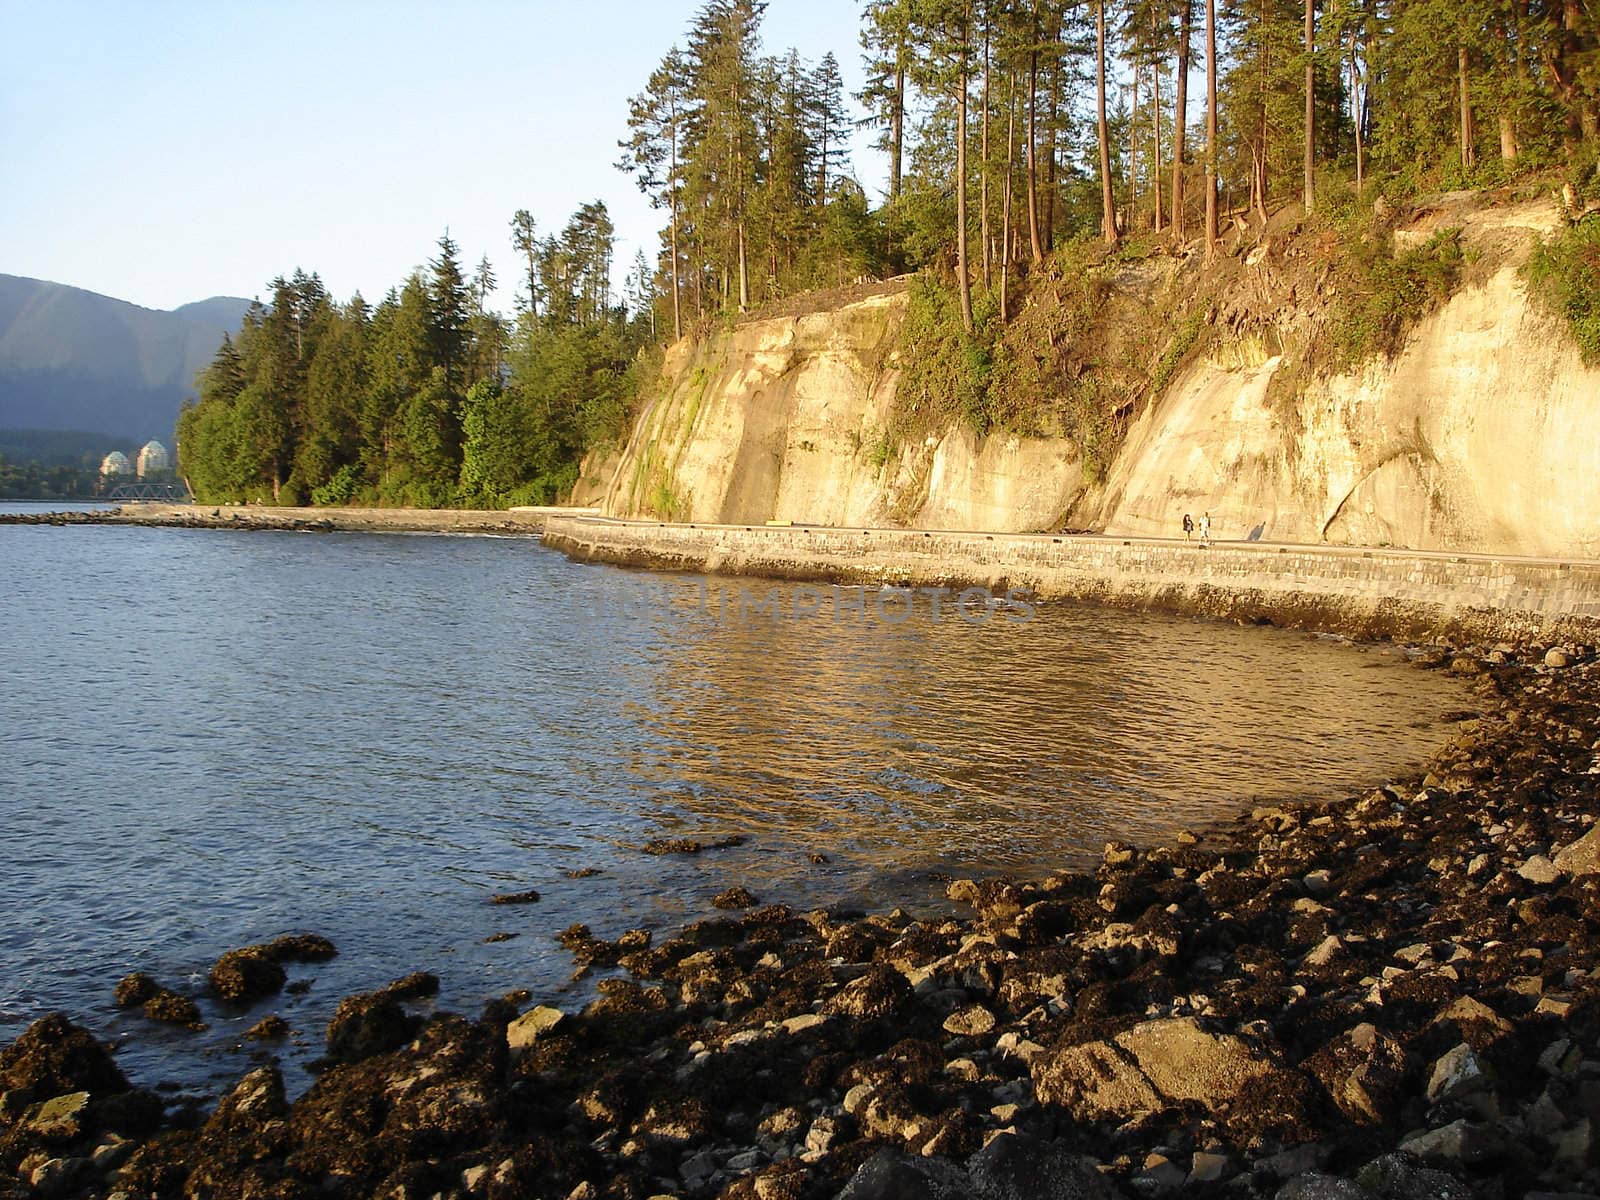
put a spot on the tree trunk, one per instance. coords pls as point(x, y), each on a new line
point(1258, 145)
point(1108, 203)
point(1508, 138)
point(1516, 35)
point(822, 169)
point(677, 314)
point(1580, 116)
point(1311, 110)
point(1133, 152)
point(1180, 121)
point(897, 119)
point(1005, 202)
point(1469, 154)
point(1052, 127)
point(533, 282)
point(1258, 178)
point(672, 199)
point(963, 279)
point(1155, 138)
point(983, 167)
point(744, 273)
point(1033, 160)
point(1358, 107)
point(1211, 128)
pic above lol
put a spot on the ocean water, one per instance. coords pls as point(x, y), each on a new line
point(208, 739)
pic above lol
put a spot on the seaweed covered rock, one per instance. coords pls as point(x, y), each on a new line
point(1013, 1167)
point(235, 1151)
point(51, 1058)
point(876, 994)
point(158, 1002)
point(251, 973)
point(367, 1024)
point(735, 897)
point(245, 975)
point(419, 985)
point(300, 948)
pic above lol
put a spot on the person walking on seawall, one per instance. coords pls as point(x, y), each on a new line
point(1205, 529)
point(1188, 527)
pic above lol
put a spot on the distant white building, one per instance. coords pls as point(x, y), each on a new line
point(115, 463)
point(153, 456)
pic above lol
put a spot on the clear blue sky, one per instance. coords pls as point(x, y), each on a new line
point(164, 152)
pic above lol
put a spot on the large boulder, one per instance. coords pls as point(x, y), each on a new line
point(1168, 1063)
point(891, 1176)
point(1095, 1080)
point(1401, 1177)
point(252, 972)
point(1014, 1167)
point(1363, 1071)
point(366, 1024)
point(61, 1119)
point(1315, 1186)
point(53, 1057)
point(1581, 857)
point(247, 1129)
point(531, 1026)
point(876, 994)
point(246, 975)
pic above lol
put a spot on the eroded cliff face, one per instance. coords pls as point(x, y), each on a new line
point(767, 420)
point(787, 419)
point(1482, 434)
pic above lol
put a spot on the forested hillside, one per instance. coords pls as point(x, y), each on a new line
point(75, 361)
point(427, 398)
point(1033, 148)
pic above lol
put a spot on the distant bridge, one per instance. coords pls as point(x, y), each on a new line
point(151, 492)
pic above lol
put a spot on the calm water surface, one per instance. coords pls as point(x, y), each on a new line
point(210, 739)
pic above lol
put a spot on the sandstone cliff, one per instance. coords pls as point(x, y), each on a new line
point(1482, 433)
point(788, 418)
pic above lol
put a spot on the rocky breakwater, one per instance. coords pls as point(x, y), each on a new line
point(183, 517)
point(1390, 995)
point(249, 518)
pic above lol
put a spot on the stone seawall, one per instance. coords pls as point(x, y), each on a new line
point(1361, 592)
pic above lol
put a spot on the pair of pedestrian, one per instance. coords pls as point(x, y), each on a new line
point(1204, 527)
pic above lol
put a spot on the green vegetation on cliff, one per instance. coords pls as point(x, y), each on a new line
point(1565, 272)
point(1385, 293)
point(1372, 294)
point(1099, 332)
point(1065, 366)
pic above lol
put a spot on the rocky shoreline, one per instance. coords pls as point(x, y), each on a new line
point(1389, 995)
point(255, 518)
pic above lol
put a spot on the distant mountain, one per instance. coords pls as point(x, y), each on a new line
point(72, 360)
